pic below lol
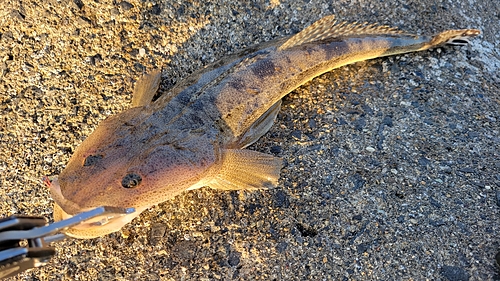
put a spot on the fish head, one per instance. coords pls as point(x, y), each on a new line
point(120, 165)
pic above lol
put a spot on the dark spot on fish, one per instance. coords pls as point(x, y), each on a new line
point(335, 49)
point(238, 84)
point(264, 68)
point(91, 160)
point(195, 120)
point(131, 180)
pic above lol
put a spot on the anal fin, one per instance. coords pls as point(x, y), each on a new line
point(244, 169)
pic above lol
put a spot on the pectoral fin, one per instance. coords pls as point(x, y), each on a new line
point(145, 88)
point(260, 127)
point(247, 169)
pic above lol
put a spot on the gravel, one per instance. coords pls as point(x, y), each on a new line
point(392, 166)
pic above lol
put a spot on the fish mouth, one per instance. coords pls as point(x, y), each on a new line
point(95, 227)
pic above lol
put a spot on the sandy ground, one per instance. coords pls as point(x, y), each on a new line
point(392, 166)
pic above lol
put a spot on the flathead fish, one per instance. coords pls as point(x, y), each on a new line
point(195, 134)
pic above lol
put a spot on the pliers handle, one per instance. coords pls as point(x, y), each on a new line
point(25, 241)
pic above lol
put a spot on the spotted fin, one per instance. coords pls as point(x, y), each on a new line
point(328, 28)
point(247, 169)
point(145, 88)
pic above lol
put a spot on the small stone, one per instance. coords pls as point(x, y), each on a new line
point(281, 247)
point(358, 181)
point(387, 121)
point(156, 9)
point(139, 67)
point(184, 250)
point(281, 199)
point(15, 14)
point(125, 5)
point(78, 3)
point(234, 258)
point(424, 162)
point(312, 123)
point(434, 202)
point(297, 134)
point(466, 170)
point(125, 234)
point(370, 149)
point(306, 231)
point(436, 223)
point(142, 52)
point(359, 124)
point(362, 248)
point(157, 232)
point(275, 149)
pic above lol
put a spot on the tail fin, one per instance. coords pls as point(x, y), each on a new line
point(453, 37)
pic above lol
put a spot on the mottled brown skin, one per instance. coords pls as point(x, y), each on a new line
point(190, 137)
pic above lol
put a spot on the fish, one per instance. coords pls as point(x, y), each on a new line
point(196, 134)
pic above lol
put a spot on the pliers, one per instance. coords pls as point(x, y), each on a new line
point(25, 240)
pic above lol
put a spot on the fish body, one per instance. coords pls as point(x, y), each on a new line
point(195, 134)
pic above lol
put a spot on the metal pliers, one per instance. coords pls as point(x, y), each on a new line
point(25, 241)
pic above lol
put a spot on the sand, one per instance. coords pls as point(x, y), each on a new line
point(392, 166)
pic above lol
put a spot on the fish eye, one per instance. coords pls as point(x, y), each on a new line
point(91, 160)
point(131, 180)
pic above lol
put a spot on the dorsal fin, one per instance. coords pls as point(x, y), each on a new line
point(328, 27)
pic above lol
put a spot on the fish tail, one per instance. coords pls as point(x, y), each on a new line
point(457, 37)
